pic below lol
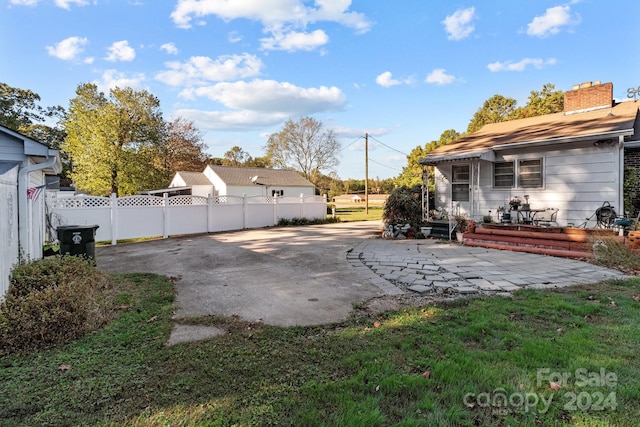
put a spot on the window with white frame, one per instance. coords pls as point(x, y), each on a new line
point(503, 175)
point(530, 173)
point(460, 183)
point(522, 174)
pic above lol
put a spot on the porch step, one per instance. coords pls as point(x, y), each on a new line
point(546, 242)
point(440, 229)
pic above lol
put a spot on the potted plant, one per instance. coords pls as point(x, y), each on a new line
point(462, 225)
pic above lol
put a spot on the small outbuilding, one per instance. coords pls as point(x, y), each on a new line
point(239, 181)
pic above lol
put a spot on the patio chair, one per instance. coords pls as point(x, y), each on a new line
point(546, 218)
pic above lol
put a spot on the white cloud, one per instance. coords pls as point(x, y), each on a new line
point(551, 22)
point(260, 103)
point(232, 120)
point(120, 51)
point(269, 96)
point(459, 25)
point(112, 79)
point(25, 2)
point(386, 80)
point(346, 132)
point(234, 37)
point(202, 69)
point(440, 77)
point(294, 40)
point(68, 48)
point(285, 21)
point(271, 12)
point(170, 48)
point(521, 65)
point(64, 4)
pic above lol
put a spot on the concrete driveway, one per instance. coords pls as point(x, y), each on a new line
point(280, 276)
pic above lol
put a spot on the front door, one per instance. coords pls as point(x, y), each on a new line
point(461, 188)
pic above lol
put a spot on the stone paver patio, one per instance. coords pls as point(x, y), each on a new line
point(436, 266)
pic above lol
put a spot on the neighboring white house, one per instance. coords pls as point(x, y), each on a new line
point(23, 165)
point(238, 181)
point(573, 160)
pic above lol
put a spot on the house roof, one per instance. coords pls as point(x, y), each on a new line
point(556, 128)
point(194, 178)
point(234, 175)
point(7, 166)
point(38, 152)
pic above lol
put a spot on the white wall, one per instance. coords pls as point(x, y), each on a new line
point(9, 252)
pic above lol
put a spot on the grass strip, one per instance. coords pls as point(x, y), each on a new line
point(467, 363)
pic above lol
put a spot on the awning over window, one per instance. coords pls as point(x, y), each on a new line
point(487, 155)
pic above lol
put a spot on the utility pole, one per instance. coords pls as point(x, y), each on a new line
point(366, 173)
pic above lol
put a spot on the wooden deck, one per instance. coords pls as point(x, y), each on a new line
point(555, 241)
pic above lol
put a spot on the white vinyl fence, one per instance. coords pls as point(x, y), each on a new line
point(151, 216)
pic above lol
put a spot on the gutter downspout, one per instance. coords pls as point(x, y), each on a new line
point(25, 216)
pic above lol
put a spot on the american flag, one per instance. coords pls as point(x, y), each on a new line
point(34, 192)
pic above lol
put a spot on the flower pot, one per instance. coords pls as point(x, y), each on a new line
point(459, 236)
point(426, 231)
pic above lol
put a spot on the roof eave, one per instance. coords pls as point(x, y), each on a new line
point(578, 138)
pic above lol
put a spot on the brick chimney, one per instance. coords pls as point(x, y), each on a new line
point(588, 96)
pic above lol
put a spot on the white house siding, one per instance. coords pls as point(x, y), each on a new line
point(219, 185)
point(8, 226)
point(202, 190)
point(576, 180)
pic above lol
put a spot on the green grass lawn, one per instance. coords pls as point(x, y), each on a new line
point(478, 362)
point(357, 213)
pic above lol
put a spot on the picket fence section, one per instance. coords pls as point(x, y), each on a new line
point(136, 217)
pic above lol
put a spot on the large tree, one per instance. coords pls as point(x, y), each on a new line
point(21, 111)
point(304, 145)
point(236, 156)
point(412, 173)
point(494, 110)
point(547, 101)
point(113, 141)
point(183, 149)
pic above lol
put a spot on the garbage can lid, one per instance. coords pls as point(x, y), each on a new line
point(70, 227)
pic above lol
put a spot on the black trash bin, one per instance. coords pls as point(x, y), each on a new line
point(77, 240)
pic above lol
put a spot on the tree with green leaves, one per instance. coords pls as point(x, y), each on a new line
point(494, 110)
point(412, 173)
point(20, 111)
point(236, 156)
point(304, 145)
point(113, 141)
point(546, 101)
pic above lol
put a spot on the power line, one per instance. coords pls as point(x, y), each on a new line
point(386, 166)
point(391, 148)
point(351, 143)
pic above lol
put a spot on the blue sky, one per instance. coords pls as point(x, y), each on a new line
point(401, 71)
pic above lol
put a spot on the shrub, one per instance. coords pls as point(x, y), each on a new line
point(612, 253)
point(52, 301)
point(404, 206)
point(283, 222)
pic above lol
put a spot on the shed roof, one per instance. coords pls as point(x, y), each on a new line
point(547, 129)
point(234, 175)
point(194, 178)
